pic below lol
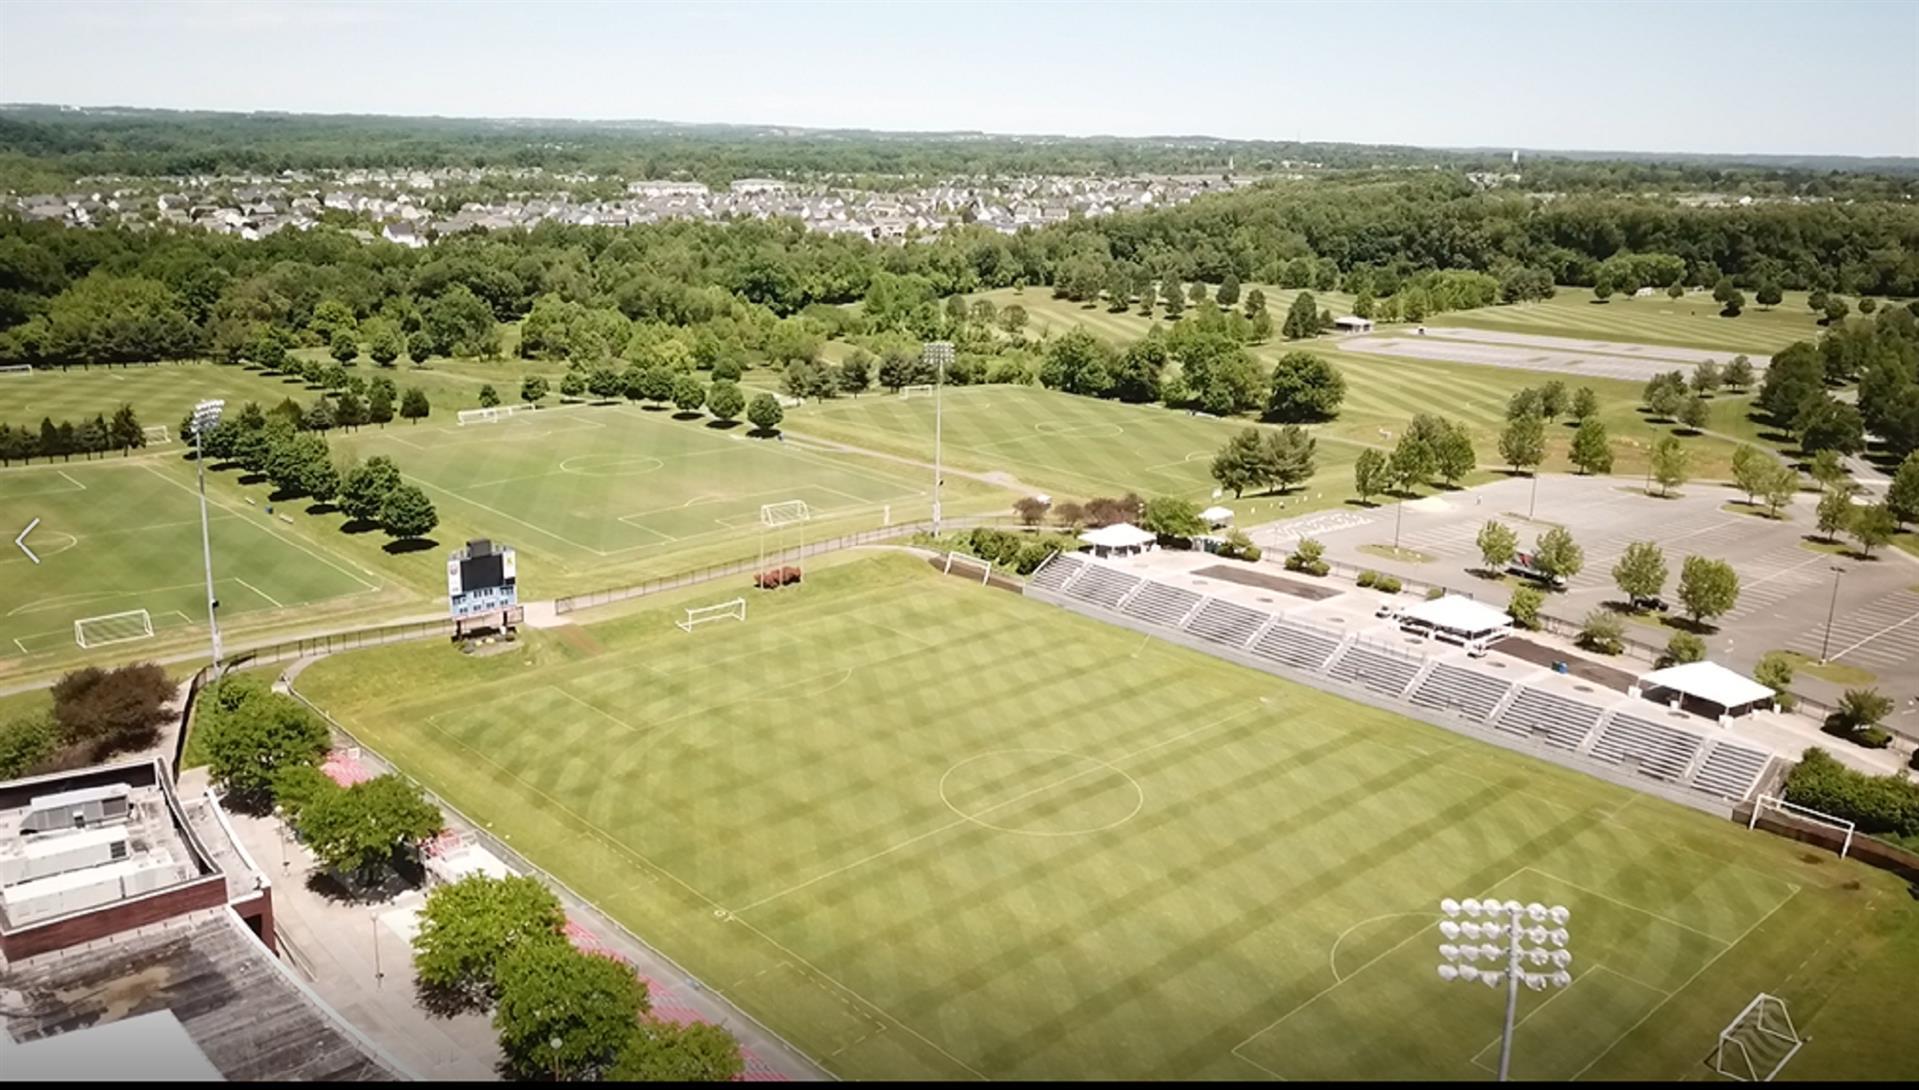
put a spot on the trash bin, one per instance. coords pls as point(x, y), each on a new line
point(1559, 667)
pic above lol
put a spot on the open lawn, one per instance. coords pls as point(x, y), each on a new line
point(1691, 321)
point(160, 393)
point(926, 829)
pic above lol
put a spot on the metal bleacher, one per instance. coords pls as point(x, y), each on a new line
point(1102, 586)
point(1226, 622)
point(1057, 572)
point(1551, 718)
point(1468, 692)
point(1376, 669)
point(1297, 645)
point(1161, 604)
point(1663, 751)
point(1731, 770)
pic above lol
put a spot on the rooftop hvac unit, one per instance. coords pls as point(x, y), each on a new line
point(57, 853)
point(77, 809)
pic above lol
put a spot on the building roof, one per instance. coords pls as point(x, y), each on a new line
point(1120, 535)
point(151, 1047)
point(1710, 682)
point(1217, 514)
point(1458, 613)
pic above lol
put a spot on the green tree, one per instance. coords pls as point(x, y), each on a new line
point(1707, 588)
point(360, 829)
point(856, 372)
point(1835, 513)
point(1523, 443)
point(489, 397)
point(1497, 545)
point(688, 393)
point(1558, 555)
point(1240, 465)
point(1590, 450)
point(1862, 709)
point(1774, 671)
point(407, 513)
point(348, 410)
point(1779, 486)
point(1228, 290)
point(1683, 647)
point(550, 992)
point(1902, 496)
point(1750, 467)
point(1171, 516)
point(1707, 378)
point(1370, 477)
point(1302, 318)
point(573, 384)
point(343, 348)
point(1829, 469)
point(379, 403)
point(1836, 310)
point(765, 413)
point(725, 401)
point(25, 742)
point(248, 733)
point(467, 926)
point(1872, 526)
point(1453, 453)
point(413, 404)
point(385, 345)
point(532, 389)
point(125, 432)
point(1669, 464)
point(1255, 302)
point(1694, 413)
point(662, 1051)
point(1739, 373)
point(1828, 424)
point(1769, 294)
point(1604, 632)
point(364, 489)
point(1585, 404)
point(1525, 605)
point(1304, 388)
point(1641, 571)
point(419, 346)
point(1286, 457)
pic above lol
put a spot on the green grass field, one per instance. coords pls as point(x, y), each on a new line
point(925, 829)
point(1692, 321)
point(118, 535)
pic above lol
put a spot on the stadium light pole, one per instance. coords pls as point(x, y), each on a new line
point(206, 415)
point(1512, 922)
point(938, 354)
point(1825, 645)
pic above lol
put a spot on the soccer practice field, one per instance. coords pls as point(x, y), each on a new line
point(927, 829)
point(119, 535)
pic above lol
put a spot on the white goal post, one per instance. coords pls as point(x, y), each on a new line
point(157, 434)
point(16, 368)
point(773, 516)
point(920, 390)
point(1806, 814)
point(492, 415)
point(91, 632)
point(696, 615)
point(1755, 1046)
point(985, 566)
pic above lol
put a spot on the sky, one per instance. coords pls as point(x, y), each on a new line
point(1713, 76)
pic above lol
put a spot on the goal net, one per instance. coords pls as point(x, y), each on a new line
point(491, 415)
point(785, 513)
point(969, 563)
point(134, 624)
point(1755, 1046)
point(923, 390)
point(698, 615)
point(1793, 813)
point(16, 368)
point(156, 434)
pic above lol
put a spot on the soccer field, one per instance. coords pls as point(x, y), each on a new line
point(119, 534)
point(1072, 445)
point(926, 829)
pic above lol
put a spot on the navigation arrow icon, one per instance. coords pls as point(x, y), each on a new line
point(22, 541)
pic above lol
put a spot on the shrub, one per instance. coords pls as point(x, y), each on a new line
point(1388, 583)
point(1237, 546)
point(1603, 632)
point(1435, 593)
point(25, 742)
point(1309, 557)
point(1524, 606)
point(1877, 804)
point(1683, 647)
point(1368, 577)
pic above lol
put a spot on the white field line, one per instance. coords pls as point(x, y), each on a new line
point(1549, 876)
point(288, 540)
point(1714, 960)
point(71, 481)
point(1103, 766)
point(276, 602)
point(1594, 968)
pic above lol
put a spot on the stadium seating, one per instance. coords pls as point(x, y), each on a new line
point(1102, 586)
point(1057, 572)
point(1731, 770)
point(1663, 751)
point(1549, 717)
point(1161, 604)
point(1376, 669)
point(1297, 644)
point(1225, 622)
point(1468, 692)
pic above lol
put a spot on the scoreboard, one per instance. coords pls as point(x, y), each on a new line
point(480, 579)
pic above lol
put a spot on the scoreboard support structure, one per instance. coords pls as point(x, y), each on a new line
point(482, 588)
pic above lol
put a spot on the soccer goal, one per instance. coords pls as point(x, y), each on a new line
point(16, 368)
point(774, 516)
point(1755, 1046)
point(698, 615)
point(157, 435)
point(91, 632)
point(923, 390)
point(492, 415)
point(985, 566)
point(1792, 811)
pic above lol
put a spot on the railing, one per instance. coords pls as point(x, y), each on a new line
point(334, 642)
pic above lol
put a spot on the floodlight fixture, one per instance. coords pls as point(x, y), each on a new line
point(1449, 929)
point(1559, 915)
point(1510, 961)
point(1449, 906)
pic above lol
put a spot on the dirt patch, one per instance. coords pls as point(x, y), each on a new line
point(1247, 578)
point(579, 639)
point(1583, 669)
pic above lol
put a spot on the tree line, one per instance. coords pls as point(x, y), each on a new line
point(64, 440)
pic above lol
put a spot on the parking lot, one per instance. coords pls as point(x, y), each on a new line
point(1787, 588)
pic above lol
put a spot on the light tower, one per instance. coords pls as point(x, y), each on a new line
point(1506, 961)
point(938, 355)
point(205, 416)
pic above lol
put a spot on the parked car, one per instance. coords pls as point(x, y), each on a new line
point(1524, 564)
point(1388, 610)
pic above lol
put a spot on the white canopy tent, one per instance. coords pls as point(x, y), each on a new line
point(1458, 616)
point(1120, 537)
point(1217, 516)
point(1731, 692)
